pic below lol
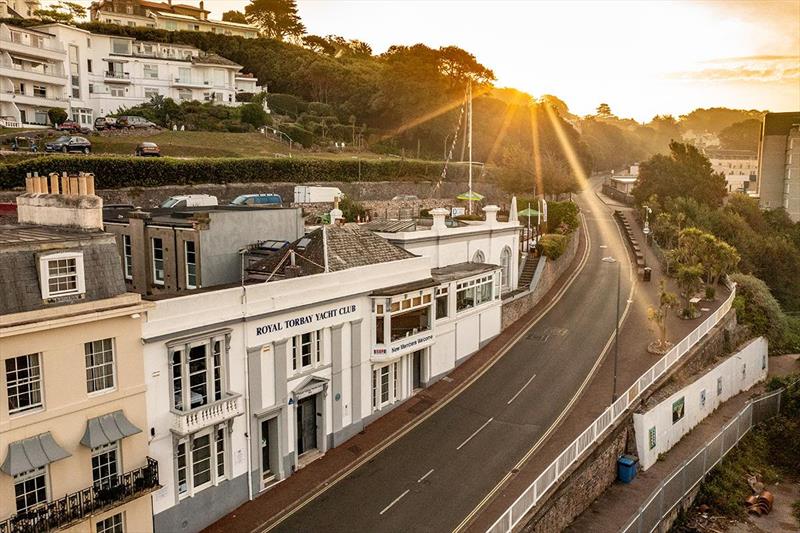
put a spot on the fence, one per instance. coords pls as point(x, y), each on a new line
point(514, 514)
point(671, 491)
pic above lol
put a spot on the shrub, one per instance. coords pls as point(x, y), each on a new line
point(553, 245)
point(299, 135)
point(253, 114)
point(563, 214)
point(756, 307)
point(114, 172)
point(56, 115)
point(286, 104)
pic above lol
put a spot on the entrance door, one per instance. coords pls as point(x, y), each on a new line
point(306, 424)
point(416, 371)
point(266, 468)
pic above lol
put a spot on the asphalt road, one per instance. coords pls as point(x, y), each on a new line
point(435, 475)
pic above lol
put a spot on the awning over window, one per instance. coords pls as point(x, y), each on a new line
point(108, 428)
point(29, 454)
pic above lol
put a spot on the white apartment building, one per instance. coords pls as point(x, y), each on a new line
point(92, 75)
point(23, 9)
point(248, 384)
point(166, 16)
point(740, 168)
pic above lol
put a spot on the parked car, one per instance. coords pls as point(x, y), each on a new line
point(70, 126)
point(258, 199)
point(190, 200)
point(148, 149)
point(132, 121)
point(105, 123)
point(69, 143)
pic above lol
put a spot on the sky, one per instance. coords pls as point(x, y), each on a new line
point(641, 57)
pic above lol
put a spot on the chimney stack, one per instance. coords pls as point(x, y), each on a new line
point(491, 214)
point(439, 215)
point(73, 204)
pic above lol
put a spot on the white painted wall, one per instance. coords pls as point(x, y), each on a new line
point(737, 373)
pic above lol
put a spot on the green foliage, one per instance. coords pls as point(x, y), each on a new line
point(253, 114)
point(685, 172)
point(563, 216)
point(553, 245)
point(56, 115)
point(716, 119)
point(352, 210)
point(518, 173)
point(116, 172)
point(756, 307)
point(277, 19)
point(286, 104)
point(741, 135)
point(234, 16)
point(64, 12)
point(298, 134)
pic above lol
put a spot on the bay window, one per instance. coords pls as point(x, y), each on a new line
point(197, 372)
point(474, 292)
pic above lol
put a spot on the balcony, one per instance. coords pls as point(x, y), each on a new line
point(117, 77)
point(45, 100)
point(12, 45)
point(186, 82)
point(75, 507)
point(51, 74)
point(207, 415)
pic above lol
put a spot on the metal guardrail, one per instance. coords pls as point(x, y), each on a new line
point(525, 502)
point(683, 480)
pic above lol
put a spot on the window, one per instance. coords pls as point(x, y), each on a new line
point(191, 264)
point(719, 386)
point(61, 274)
point(197, 372)
point(89, 65)
point(474, 292)
point(99, 365)
point(184, 95)
point(30, 488)
point(151, 92)
point(478, 257)
point(201, 460)
point(117, 92)
point(105, 465)
point(505, 265)
point(151, 71)
point(127, 256)
point(678, 409)
point(120, 46)
point(307, 350)
point(23, 383)
point(158, 260)
point(40, 91)
point(112, 524)
point(702, 398)
point(385, 388)
point(442, 300)
point(74, 71)
point(410, 322)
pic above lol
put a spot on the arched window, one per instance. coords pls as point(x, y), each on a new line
point(505, 265)
point(478, 257)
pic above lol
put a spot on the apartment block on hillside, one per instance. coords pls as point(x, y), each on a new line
point(779, 163)
point(740, 167)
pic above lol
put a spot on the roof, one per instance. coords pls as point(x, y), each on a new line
point(461, 270)
point(214, 59)
point(21, 234)
point(183, 216)
point(405, 287)
point(348, 246)
point(390, 226)
point(780, 123)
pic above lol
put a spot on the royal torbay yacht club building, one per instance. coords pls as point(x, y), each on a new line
point(248, 383)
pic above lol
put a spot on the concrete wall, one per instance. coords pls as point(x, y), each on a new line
point(771, 171)
point(697, 400)
point(516, 306)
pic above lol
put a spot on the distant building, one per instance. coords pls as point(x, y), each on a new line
point(22, 9)
point(779, 163)
point(73, 420)
point(740, 167)
point(165, 16)
point(166, 251)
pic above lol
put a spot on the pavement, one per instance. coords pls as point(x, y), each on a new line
point(446, 444)
point(618, 504)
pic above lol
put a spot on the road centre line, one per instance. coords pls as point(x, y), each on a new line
point(426, 475)
point(520, 390)
point(395, 501)
point(476, 432)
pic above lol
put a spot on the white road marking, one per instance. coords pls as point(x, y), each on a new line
point(476, 432)
point(520, 390)
point(426, 475)
point(603, 246)
point(395, 501)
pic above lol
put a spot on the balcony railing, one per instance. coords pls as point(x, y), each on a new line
point(51, 71)
point(207, 415)
point(79, 505)
point(117, 75)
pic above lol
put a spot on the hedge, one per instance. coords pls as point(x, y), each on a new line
point(116, 172)
point(553, 245)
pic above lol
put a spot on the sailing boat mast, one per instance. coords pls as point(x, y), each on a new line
point(469, 139)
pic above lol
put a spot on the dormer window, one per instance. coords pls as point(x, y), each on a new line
point(61, 274)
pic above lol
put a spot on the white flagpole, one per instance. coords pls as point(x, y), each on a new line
point(469, 123)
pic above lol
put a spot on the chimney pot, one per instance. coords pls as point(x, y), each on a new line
point(439, 215)
point(53, 183)
point(73, 185)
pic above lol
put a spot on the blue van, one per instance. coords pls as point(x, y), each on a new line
point(273, 200)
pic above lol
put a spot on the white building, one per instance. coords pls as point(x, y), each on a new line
point(23, 9)
point(740, 168)
point(248, 384)
point(91, 75)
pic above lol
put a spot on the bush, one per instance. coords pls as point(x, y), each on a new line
point(299, 135)
point(115, 172)
point(253, 114)
point(56, 115)
point(553, 245)
point(286, 104)
point(756, 307)
point(562, 217)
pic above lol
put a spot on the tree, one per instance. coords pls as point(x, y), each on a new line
point(234, 16)
point(518, 173)
point(604, 110)
point(56, 115)
point(719, 258)
point(253, 114)
point(278, 19)
point(62, 12)
point(685, 172)
point(666, 301)
point(742, 135)
point(689, 279)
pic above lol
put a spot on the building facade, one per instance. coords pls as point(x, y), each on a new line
point(166, 16)
point(331, 333)
point(779, 163)
point(72, 401)
point(23, 9)
point(166, 251)
point(740, 168)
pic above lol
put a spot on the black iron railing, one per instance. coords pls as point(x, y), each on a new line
point(78, 505)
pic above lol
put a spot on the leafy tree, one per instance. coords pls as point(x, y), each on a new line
point(715, 119)
point(278, 19)
point(518, 173)
point(234, 16)
point(56, 115)
point(253, 114)
point(62, 12)
point(604, 110)
point(666, 301)
point(742, 135)
point(690, 281)
point(685, 172)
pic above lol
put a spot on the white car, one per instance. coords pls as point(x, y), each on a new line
point(190, 200)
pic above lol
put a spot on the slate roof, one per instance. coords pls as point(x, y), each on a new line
point(460, 270)
point(349, 246)
point(213, 59)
